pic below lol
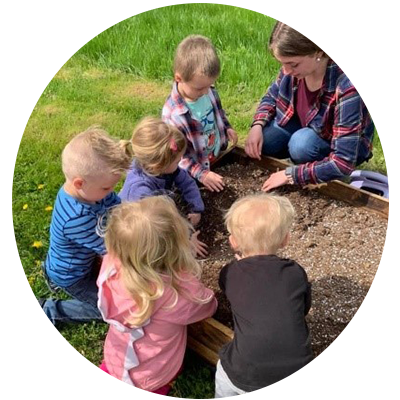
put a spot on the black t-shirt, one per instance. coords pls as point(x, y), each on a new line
point(269, 298)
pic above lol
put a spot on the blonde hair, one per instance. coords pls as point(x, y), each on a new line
point(260, 223)
point(303, 29)
point(93, 153)
point(155, 145)
point(196, 55)
point(150, 239)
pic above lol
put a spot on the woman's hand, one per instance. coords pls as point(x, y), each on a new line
point(232, 136)
point(275, 180)
point(254, 142)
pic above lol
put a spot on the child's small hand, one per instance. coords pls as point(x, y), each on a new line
point(232, 135)
point(199, 248)
point(194, 218)
point(213, 182)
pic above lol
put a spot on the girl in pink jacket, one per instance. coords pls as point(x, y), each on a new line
point(149, 291)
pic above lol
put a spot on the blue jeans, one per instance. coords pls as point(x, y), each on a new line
point(300, 144)
point(83, 306)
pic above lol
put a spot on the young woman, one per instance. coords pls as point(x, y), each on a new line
point(312, 113)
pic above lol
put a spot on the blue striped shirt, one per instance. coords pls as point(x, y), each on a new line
point(74, 241)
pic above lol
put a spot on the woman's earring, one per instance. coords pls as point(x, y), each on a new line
point(318, 59)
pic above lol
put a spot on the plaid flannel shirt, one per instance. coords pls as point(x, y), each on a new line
point(339, 116)
point(177, 113)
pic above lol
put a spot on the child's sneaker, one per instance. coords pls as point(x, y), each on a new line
point(82, 394)
point(32, 310)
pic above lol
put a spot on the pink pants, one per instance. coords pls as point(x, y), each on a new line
point(101, 382)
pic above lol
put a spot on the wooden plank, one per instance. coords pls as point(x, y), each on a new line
point(207, 337)
point(203, 350)
point(335, 189)
point(212, 332)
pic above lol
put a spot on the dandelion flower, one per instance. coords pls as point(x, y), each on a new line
point(49, 208)
point(37, 243)
point(40, 186)
point(25, 206)
point(33, 344)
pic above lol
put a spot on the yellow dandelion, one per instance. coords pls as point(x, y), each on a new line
point(31, 280)
point(37, 243)
point(48, 208)
point(25, 206)
point(33, 344)
point(40, 186)
point(38, 263)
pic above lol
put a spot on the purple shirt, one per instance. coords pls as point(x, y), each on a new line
point(138, 185)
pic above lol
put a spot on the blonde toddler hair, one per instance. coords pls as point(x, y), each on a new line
point(196, 55)
point(93, 153)
point(150, 239)
point(260, 223)
point(155, 145)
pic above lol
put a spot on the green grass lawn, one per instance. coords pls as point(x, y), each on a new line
point(122, 75)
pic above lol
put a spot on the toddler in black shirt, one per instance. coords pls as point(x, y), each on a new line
point(269, 297)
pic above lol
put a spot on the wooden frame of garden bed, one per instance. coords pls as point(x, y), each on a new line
point(207, 337)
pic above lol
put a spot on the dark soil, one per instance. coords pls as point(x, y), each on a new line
point(338, 245)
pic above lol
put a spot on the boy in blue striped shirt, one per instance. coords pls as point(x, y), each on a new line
point(92, 163)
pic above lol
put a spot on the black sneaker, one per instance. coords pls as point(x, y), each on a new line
point(32, 309)
point(52, 286)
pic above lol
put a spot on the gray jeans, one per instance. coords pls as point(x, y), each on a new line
point(223, 385)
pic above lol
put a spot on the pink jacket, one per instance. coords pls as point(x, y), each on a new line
point(149, 356)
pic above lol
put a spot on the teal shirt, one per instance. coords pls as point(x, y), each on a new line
point(202, 110)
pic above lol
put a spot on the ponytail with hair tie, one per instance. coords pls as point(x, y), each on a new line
point(126, 146)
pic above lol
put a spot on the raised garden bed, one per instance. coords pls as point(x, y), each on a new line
point(338, 237)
